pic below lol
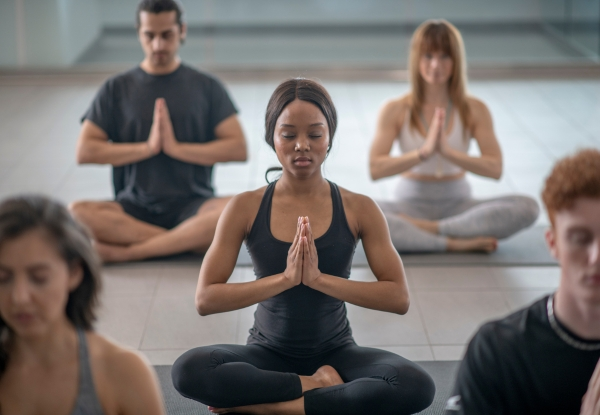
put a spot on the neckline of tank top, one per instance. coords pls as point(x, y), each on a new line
point(333, 216)
point(446, 120)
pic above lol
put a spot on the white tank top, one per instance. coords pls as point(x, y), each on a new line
point(436, 165)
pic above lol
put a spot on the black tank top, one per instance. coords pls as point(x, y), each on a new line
point(301, 322)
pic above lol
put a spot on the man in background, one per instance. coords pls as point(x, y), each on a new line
point(540, 359)
point(162, 126)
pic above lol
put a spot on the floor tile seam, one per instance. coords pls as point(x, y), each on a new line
point(519, 122)
point(64, 178)
point(422, 320)
point(150, 308)
point(573, 123)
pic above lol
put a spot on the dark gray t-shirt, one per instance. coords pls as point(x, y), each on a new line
point(124, 107)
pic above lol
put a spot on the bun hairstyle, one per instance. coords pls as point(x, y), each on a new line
point(25, 213)
point(304, 90)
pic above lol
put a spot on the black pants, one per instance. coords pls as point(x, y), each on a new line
point(376, 381)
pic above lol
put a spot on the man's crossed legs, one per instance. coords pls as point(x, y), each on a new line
point(119, 236)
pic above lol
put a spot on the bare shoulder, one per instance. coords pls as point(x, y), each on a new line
point(123, 378)
point(477, 106)
point(243, 208)
point(395, 107)
point(248, 200)
point(115, 362)
point(361, 211)
point(356, 201)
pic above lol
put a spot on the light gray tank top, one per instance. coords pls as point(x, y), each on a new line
point(87, 401)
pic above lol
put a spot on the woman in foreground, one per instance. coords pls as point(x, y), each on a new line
point(434, 124)
point(301, 232)
point(51, 360)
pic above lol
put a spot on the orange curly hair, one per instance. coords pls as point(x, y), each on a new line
point(571, 178)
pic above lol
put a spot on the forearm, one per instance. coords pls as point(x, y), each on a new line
point(116, 154)
point(486, 166)
point(210, 153)
point(223, 297)
point(386, 166)
point(380, 295)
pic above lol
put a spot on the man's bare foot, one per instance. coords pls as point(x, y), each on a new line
point(481, 244)
point(112, 253)
point(430, 226)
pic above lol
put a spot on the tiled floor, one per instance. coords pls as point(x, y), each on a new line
point(150, 306)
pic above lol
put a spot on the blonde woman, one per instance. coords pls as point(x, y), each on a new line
point(434, 124)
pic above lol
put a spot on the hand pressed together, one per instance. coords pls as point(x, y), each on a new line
point(436, 140)
point(302, 261)
point(591, 400)
point(162, 137)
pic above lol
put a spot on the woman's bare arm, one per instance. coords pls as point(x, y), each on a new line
point(381, 164)
point(213, 293)
point(390, 291)
point(489, 164)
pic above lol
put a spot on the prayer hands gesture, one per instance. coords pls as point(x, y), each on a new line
point(162, 137)
point(436, 136)
point(302, 260)
point(591, 400)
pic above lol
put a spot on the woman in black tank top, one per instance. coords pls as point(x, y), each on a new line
point(301, 232)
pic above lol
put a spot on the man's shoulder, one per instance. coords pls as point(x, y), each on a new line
point(512, 332)
point(122, 78)
point(198, 75)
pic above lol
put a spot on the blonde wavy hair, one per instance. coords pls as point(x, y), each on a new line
point(438, 36)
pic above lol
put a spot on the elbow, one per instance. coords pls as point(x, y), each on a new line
point(243, 153)
point(202, 306)
point(82, 157)
point(403, 306)
point(497, 173)
point(374, 171)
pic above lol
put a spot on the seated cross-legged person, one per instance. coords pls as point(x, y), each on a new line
point(434, 123)
point(162, 125)
point(540, 359)
point(51, 360)
point(301, 232)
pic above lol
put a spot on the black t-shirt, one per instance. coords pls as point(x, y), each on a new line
point(519, 365)
point(124, 108)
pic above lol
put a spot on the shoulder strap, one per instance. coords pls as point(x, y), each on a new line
point(87, 399)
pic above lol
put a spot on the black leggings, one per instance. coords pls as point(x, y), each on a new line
point(376, 381)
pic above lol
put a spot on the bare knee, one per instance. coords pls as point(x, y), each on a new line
point(87, 212)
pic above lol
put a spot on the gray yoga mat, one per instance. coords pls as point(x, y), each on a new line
point(527, 248)
point(443, 374)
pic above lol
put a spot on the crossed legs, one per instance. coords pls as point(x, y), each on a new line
point(348, 380)
point(121, 237)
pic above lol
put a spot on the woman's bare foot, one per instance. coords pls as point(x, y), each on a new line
point(324, 377)
point(481, 244)
point(430, 226)
point(328, 376)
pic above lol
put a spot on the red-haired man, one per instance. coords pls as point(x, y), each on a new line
point(540, 359)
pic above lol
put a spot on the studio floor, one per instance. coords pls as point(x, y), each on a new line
point(150, 306)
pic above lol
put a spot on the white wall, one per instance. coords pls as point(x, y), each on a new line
point(273, 12)
point(55, 32)
point(8, 34)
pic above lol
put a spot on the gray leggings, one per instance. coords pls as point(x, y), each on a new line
point(458, 214)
